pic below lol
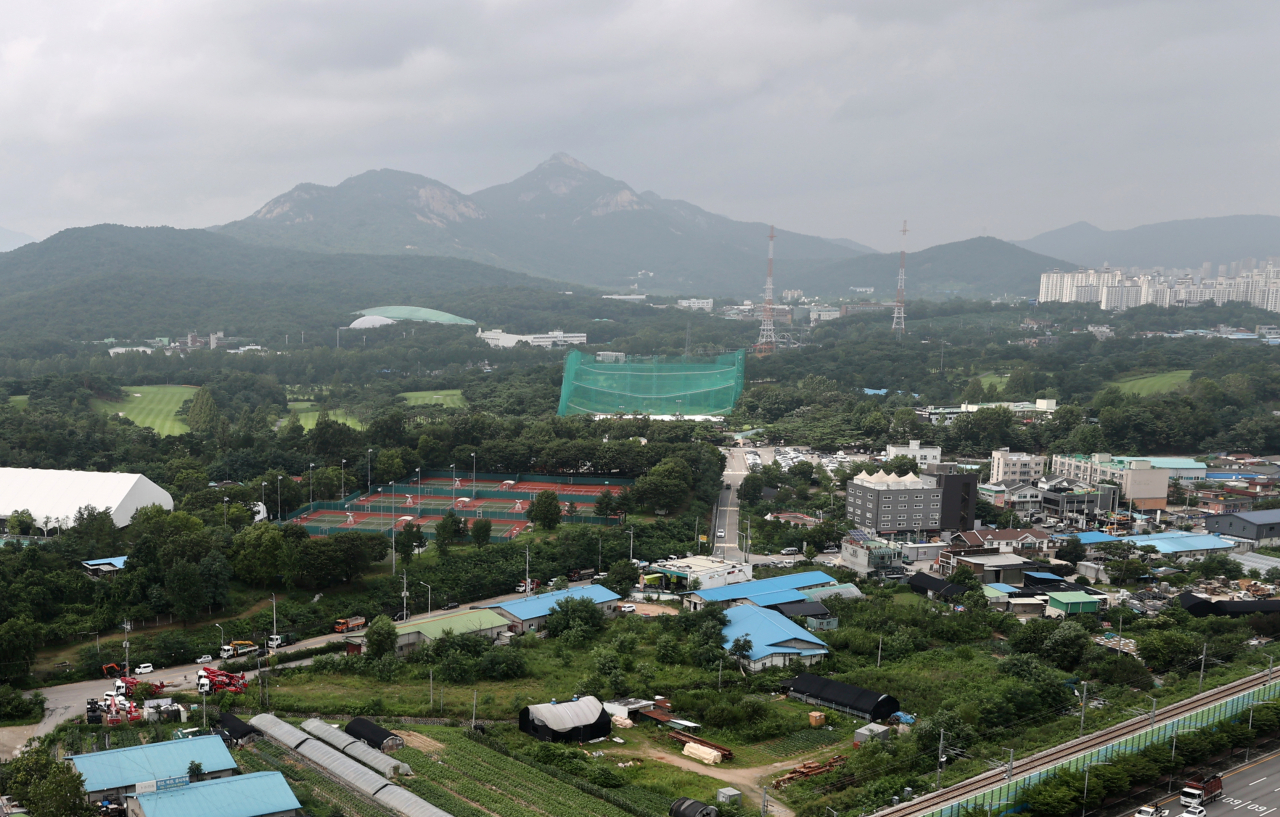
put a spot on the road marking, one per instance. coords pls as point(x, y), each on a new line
point(1242, 805)
point(1259, 780)
point(1268, 811)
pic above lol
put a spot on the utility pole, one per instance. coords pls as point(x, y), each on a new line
point(879, 651)
point(474, 693)
point(1204, 653)
point(404, 594)
point(941, 734)
point(768, 340)
point(1084, 704)
point(273, 614)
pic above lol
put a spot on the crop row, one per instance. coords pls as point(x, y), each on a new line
point(801, 742)
point(506, 787)
point(274, 758)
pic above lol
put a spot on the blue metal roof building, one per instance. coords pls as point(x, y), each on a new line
point(531, 613)
point(1183, 544)
point(262, 794)
point(775, 639)
point(119, 771)
point(771, 590)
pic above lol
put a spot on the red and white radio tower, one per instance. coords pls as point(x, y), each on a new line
point(900, 306)
point(768, 340)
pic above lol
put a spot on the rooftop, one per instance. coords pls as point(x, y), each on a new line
point(245, 795)
point(1177, 542)
point(742, 590)
point(538, 606)
point(1072, 597)
point(119, 768)
point(466, 621)
point(414, 313)
point(1258, 517)
point(113, 561)
point(769, 631)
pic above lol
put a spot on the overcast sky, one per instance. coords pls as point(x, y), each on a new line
point(838, 119)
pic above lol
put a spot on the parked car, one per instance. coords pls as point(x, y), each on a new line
point(143, 669)
point(453, 605)
point(627, 608)
point(204, 659)
point(907, 561)
point(831, 549)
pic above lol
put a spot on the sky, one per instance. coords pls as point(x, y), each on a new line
point(838, 119)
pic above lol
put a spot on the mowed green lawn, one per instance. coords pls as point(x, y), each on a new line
point(19, 400)
point(309, 413)
point(991, 377)
point(152, 406)
point(451, 398)
point(1153, 383)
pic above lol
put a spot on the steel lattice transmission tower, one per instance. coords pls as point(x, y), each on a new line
point(768, 340)
point(900, 306)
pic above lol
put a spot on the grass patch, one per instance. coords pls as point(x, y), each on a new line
point(1149, 384)
point(152, 407)
point(450, 398)
point(309, 413)
point(991, 377)
point(18, 401)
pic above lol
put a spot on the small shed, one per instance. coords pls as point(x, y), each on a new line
point(872, 731)
point(815, 614)
point(576, 721)
point(862, 703)
point(1070, 603)
point(373, 735)
point(240, 732)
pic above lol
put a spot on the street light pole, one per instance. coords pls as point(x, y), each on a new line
point(222, 636)
point(274, 631)
point(404, 594)
point(632, 533)
point(1084, 799)
point(424, 584)
point(343, 478)
point(279, 515)
point(311, 489)
point(368, 468)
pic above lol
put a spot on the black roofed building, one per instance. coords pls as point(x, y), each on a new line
point(815, 614)
point(1201, 607)
point(236, 730)
point(576, 721)
point(373, 735)
point(934, 587)
point(847, 698)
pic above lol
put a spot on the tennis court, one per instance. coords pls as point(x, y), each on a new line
point(356, 520)
point(561, 488)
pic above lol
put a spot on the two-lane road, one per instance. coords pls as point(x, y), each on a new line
point(1252, 789)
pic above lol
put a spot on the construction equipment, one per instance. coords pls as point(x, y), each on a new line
point(812, 768)
point(128, 685)
point(210, 680)
point(111, 671)
point(237, 648)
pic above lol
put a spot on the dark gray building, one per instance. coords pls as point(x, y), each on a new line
point(1067, 498)
point(908, 507)
point(1261, 528)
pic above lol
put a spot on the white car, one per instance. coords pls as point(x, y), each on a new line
point(204, 659)
point(1193, 811)
point(627, 608)
point(143, 669)
point(720, 533)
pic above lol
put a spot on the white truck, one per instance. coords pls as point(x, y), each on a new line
point(1152, 810)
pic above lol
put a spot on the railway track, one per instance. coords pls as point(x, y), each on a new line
point(1049, 758)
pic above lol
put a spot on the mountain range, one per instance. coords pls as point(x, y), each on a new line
point(1178, 244)
point(9, 240)
point(562, 220)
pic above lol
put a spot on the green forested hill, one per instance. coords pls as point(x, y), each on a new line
point(128, 282)
point(975, 268)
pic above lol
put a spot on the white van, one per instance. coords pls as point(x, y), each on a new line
point(790, 551)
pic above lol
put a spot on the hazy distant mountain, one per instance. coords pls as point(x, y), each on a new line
point(853, 245)
point(975, 268)
point(135, 282)
point(10, 240)
point(1187, 243)
point(561, 220)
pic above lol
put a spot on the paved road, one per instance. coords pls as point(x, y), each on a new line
point(1253, 789)
point(68, 700)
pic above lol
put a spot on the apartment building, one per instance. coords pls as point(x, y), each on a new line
point(1143, 483)
point(1006, 464)
point(922, 454)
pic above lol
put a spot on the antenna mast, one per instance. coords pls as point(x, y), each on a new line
point(768, 340)
point(900, 306)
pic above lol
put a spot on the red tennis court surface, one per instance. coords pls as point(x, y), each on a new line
point(524, 486)
point(360, 520)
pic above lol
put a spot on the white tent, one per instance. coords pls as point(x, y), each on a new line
point(57, 495)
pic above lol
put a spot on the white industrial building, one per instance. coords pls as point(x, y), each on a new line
point(53, 497)
point(551, 340)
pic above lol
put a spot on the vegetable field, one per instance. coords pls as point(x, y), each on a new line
point(801, 742)
point(484, 781)
point(265, 756)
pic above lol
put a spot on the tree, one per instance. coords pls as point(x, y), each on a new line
point(46, 787)
point(185, 590)
point(481, 531)
point(741, 649)
point(20, 522)
point(194, 769)
point(973, 392)
point(409, 539)
point(258, 552)
point(575, 613)
point(1072, 550)
point(1065, 648)
point(667, 649)
point(447, 529)
point(215, 576)
point(751, 491)
point(666, 485)
point(604, 505)
point(203, 416)
point(380, 638)
point(544, 511)
point(623, 575)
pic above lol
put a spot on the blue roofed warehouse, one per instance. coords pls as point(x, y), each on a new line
point(116, 772)
point(531, 613)
point(262, 794)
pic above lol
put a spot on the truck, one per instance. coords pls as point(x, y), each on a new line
point(1200, 790)
point(237, 648)
point(581, 574)
point(127, 686)
point(275, 642)
point(532, 585)
point(1152, 810)
point(210, 680)
point(348, 625)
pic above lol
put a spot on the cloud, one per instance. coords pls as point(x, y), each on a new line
point(832, 118)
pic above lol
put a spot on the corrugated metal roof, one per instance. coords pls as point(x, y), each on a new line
point(539, 606)
point(768, 629)
point(1255, 560)
point(343, 766)
point(844, 591)
point(408, 803)
point(1167, 543)
point(1001, 587)
point(1073, 597)
point(1089, 537)
point(114, 561)
point(120, 768)
point(246, 795)
point(1258, 517)
point(468, 621)
point(742, 590)
point(776, 597)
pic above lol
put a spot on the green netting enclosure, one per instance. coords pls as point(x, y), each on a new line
point(651, 385)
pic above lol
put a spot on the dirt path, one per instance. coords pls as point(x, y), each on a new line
point(746, 780)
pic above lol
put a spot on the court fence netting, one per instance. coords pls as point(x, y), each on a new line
point(655, 385)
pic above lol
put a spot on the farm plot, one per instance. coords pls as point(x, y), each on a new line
point(264, 756)
point(802, 742)
point(478, 777)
